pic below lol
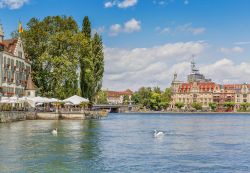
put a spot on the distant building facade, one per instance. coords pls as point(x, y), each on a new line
point(15, 68)
point(117, 97)
point(201, 90)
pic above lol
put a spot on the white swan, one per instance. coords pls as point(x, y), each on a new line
point(158, 134)
point(54, 131)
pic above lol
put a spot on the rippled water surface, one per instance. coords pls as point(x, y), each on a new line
point(125, 143)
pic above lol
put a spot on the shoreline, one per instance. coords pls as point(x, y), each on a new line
point(15, 116)
point(157, 112)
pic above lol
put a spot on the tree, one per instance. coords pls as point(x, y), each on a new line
point(86, 62)
point(213, 105)
point(58, 49)
point(142, 97)
point(126, 99)
point(86, 27)
point(91, 62)
point(155, 101)
point(166, 98)
point(229, 105)
point(244, 106)
point(101, 97)
point(179, 105)
point(157, 90)
point(51, 45)
point(197, 106)
point(98, 63)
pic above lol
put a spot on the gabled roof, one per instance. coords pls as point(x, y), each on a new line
point(10, 45)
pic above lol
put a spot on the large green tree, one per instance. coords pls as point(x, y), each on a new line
point(50, 45)
point(91, 62)
point(98, 63)
point(58, 49)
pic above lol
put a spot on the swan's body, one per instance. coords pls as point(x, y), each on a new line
point(158, 134)
point(54, 131)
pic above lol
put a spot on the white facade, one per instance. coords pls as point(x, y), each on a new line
point(14, 67)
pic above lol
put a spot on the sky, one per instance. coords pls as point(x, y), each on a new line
point(147, 41)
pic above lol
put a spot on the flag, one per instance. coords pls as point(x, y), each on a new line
point(20, 28)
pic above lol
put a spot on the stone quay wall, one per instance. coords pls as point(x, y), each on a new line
point(8, 116)
point(11, 116)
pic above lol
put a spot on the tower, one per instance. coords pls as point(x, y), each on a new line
point(175, 76)
point(1, 33)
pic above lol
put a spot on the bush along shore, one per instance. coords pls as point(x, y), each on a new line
point(14, 116)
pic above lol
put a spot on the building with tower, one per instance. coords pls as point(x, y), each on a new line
point(198, 89)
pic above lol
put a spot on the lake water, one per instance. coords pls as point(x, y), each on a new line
point(125, 143)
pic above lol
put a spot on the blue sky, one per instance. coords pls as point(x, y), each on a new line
point(146, 41)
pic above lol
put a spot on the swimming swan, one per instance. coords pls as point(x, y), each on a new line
point(158, 134)
point(54, 131)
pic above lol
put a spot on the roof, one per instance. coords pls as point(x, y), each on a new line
point(10, 45)
point(203, 86)
point(119, 93)
point(30, 84)
point(234, 86)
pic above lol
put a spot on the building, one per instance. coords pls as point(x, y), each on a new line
point(198, 89)
point(15, 68)
point(118, 97)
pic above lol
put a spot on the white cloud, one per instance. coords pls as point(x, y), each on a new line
point(12, 4)
point(235, 49)
point(242, 43)
point(127, 3)
point(162, 2)
point(226, 71)
point(186, 28)
point(190, 29)
point(167, 2)
point(115, 29)
point(163, 30)
point(109, 4)
point(130, 26)
point(133, 68)
point(99, 30)
point(120, 4)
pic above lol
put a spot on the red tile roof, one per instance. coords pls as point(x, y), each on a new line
point(119, 93)
point(204, 86)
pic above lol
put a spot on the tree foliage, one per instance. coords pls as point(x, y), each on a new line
point(213, 105)
point(153, 99)
point(101, 97)
point(244, 106)
point(58, 49)
point(91, 62)
point(197, 106)
point(179, 105)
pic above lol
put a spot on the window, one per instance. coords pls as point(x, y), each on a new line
point(20, 54)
